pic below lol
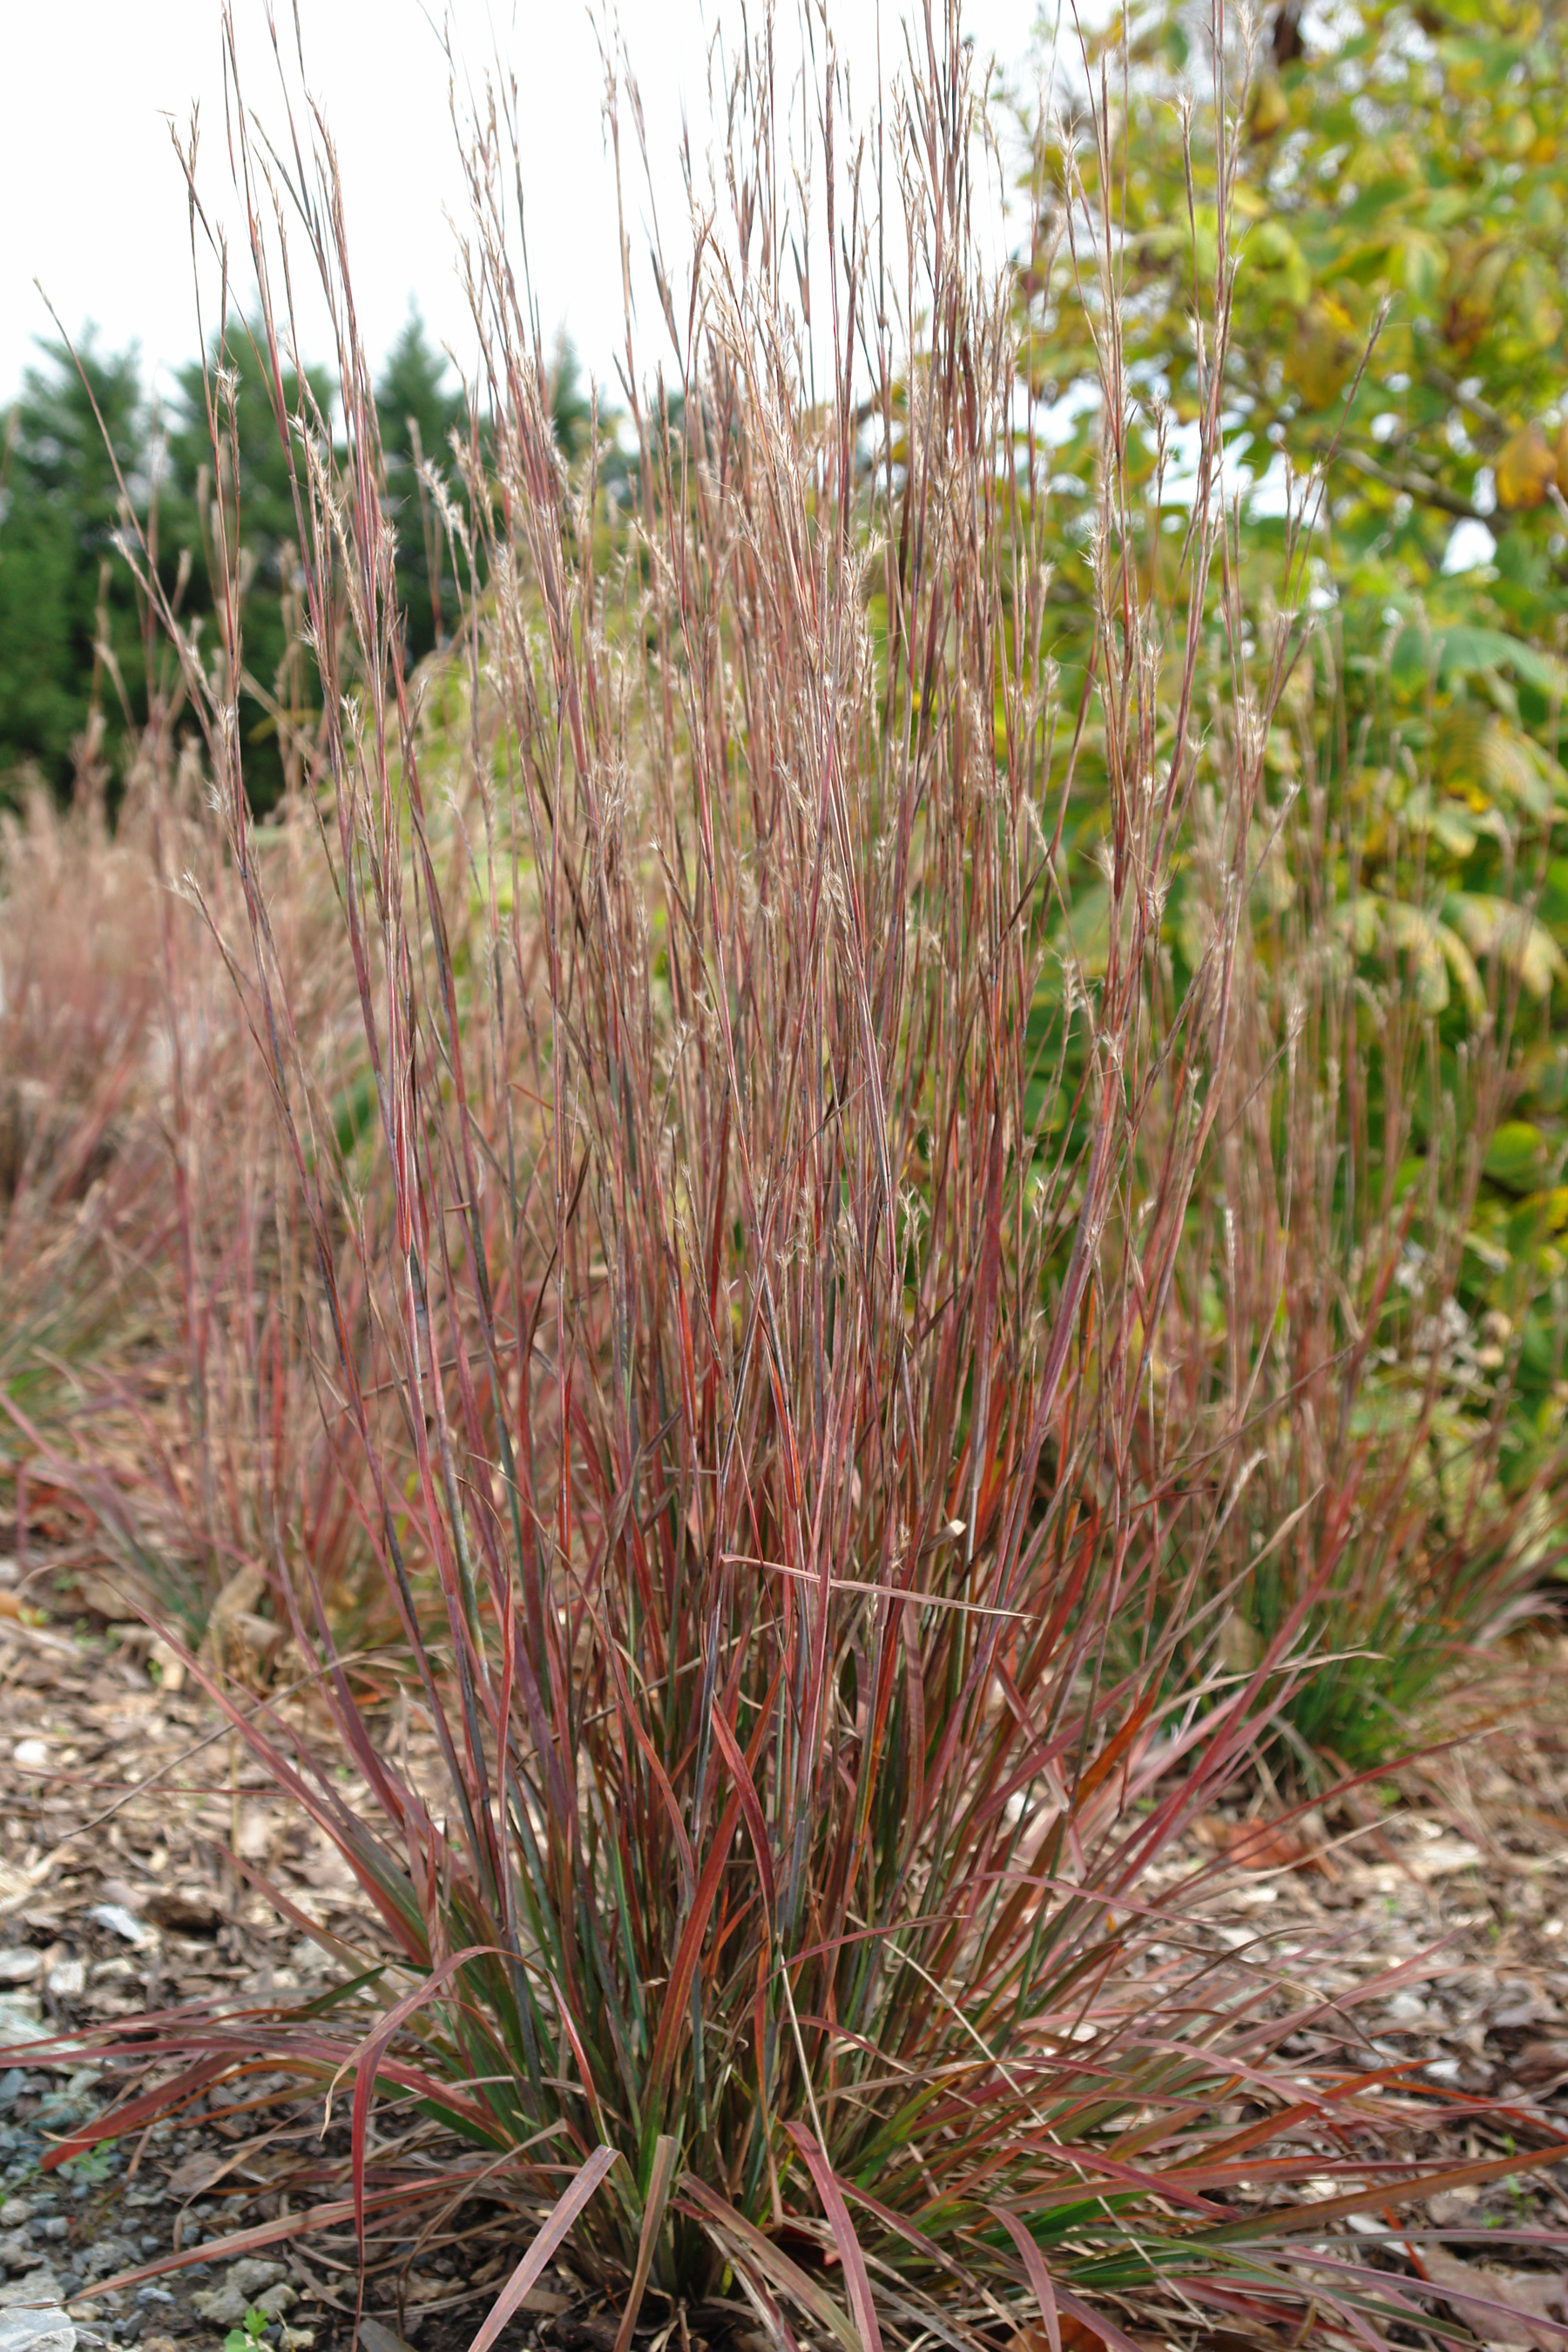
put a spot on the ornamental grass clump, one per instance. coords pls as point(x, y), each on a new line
point(787, 1911)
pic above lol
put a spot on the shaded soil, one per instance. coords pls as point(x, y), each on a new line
point(124, 1804)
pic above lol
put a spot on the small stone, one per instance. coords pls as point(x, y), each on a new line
point(48, 2329)
point(110, 2253)
point(21, 2020)
point(253, 2273)
point(19, 1964)
point(151, 2293)
point(67, 1980)
point(13, 2212)
point(252, 2283)
point(39, 2290)
point(57, 2227)
point(32, 1755)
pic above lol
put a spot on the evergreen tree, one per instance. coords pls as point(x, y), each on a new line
point(257, 468)
point(420, 409)
point(60, 511)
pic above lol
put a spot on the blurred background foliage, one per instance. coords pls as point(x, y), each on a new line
point(73, 641)
point(1396, 195)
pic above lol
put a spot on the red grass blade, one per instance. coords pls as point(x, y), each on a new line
point(848, 2244)
point(666, 2156)
point(1038, 2276)
point(554, 2230)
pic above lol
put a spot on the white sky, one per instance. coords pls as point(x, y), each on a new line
point(94, 206)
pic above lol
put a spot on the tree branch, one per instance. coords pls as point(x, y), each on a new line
point(1471, 403)
point(1421, 487)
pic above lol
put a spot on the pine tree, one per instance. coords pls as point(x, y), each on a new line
point(61, 513)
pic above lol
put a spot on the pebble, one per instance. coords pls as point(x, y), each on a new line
point(32, 1755)
point(46, 2330)
point(67, 1980)
point(39, 2288)
point(19, 1964)
point(13, 2212)
point(251, 2282)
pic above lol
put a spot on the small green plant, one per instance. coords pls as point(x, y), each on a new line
point(250, 2332)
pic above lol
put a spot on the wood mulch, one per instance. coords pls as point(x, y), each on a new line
point(124, 1804)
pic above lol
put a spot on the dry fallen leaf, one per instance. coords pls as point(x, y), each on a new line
point(374, 2338)
point(1528, 2308)
point(1541, 2065)
point(1258, 1845)
point(1267, 1845)
point(1077, 2335)
point(197, 2172)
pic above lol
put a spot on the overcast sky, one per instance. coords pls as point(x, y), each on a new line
point(94, 206)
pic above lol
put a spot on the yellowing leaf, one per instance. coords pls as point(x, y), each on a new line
point(1451, 827)
point(1517, 1156)
point(1270, 246)
point(1434, 950)
point(1496, 927)
point(1525, 470)
point(1423, 263)
point(1476, 271)
point(1323, 351)
point(1478, 752)
point(1269, 110)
